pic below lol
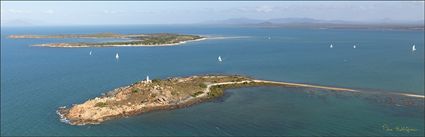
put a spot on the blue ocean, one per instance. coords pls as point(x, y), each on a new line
point(35, 81)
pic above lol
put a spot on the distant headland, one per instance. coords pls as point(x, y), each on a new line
point(311, 23)
point(157, 39)
point(150, 95)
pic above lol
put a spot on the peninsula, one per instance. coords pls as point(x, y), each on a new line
point(157, 39)
point(150, 95)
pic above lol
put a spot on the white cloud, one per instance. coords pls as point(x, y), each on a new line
point(145, 12)
point(49, 11)
point(111, 11)
point(16, 11)
point(264, 9)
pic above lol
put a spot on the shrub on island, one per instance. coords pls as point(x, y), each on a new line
point(101, 104)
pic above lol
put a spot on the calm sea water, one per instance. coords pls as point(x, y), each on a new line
point(35, 81)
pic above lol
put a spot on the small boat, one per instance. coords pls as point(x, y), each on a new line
point(117, 56)
point(90, 52)
point(269, 38)
point(331, 46)
point(219, 59)
point(354, 46)
point(413, 48)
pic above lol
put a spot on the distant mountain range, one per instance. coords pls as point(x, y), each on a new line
point(315, 23)
point(384, 23)
point(308, 20)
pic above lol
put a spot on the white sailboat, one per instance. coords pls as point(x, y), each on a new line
point(413, 48)
point(331, 46)
point(354, 46)
point(90, 52)
point(117, 56)
point(219, 59)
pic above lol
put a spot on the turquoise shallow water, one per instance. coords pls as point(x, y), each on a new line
point(36, 80)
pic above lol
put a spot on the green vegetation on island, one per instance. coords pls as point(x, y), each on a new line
point(158, 39)
point(150, 95)
point(172, 93)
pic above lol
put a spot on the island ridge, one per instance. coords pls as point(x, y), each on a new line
point(171, 93)
point(157, 39)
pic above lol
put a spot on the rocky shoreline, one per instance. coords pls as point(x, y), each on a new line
point(63, 111)
point(172, 93)
point(144, 96)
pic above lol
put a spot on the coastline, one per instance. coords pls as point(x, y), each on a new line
point(131, 109)
point(88, 45)
point(52, 45)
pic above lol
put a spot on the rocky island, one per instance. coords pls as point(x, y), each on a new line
point(150, 95)
point(157, 39)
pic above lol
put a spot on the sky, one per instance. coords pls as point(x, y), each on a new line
point(188, 12)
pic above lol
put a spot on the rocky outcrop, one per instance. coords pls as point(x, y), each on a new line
point(169, 94)
point(143, 97)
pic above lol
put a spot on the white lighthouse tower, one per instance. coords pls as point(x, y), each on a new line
point(148, 80)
